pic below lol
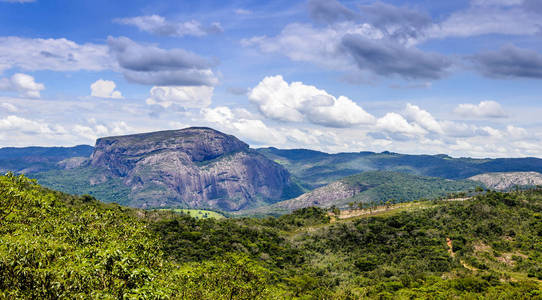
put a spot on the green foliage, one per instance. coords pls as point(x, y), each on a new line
point(398, 187)
point(49, 249)
point(54, 245)
point(86, 180)
point(198, 213)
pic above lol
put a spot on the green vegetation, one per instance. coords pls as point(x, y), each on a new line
point(198, 213)
point(383, 186)
point(78, 182)
point(53, 245)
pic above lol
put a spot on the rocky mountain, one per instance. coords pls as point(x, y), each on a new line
point(315, 169)
point(372, 186)
point(193, 168)
point(38, 159)
point(509, 180)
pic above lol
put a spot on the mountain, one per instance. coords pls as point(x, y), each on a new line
point(371, 186)
point(315, 169)
point(509, 180)
point(37, 159)
point(190, 168)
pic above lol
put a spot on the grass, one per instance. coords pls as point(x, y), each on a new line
point(198, 213)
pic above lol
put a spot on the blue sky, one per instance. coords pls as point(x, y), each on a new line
point(457, 77)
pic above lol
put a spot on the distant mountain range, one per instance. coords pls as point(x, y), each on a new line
point(315, 169)
point(202, 168)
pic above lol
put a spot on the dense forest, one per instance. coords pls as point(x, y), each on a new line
point(54, 245)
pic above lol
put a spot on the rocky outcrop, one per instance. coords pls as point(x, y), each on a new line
point(509, 180)
point(193, 167)
point(325, 196)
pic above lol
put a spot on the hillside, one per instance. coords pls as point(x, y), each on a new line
point(509, 180)
point(37, 159)
point(54, 245)
point(315, 169)
point(371, 187)
point(188, 168)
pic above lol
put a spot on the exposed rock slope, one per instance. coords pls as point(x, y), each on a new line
point(508, 180)
point(193, 167)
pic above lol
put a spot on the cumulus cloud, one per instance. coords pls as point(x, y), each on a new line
point(395, 123)
point(147, 64)
point(516, 132)
point(94, 130)
point(386, 58)
point(24, 84)
point(296, 102)
point(485, 109)
point(15, 123)
point(509, 62)
point(414, 113)
point(52, 54)
point(184, 96)
point(221, 115)
point(104, 89)
point(158, 25)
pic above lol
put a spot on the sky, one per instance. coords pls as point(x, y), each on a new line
point(462, 78)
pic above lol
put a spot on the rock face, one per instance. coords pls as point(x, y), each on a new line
point(193, 167)
point(508, 180)
point(325, 196)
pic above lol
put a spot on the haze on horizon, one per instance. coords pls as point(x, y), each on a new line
point(456, 77)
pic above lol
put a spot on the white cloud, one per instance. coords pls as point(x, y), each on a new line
point(15, 123)
point(395, 123)
point(241, 11)
point(221, 115)
point(295, 102)
point(485, 109)
point(322, 46)
point(95, 131)
point(414, 113)
point(52, 54)
point(104, 89)
point(160, 26)
point(257, 131)
point(24, 84)
point(185, 96)
point(9, 107)
point(516, 132)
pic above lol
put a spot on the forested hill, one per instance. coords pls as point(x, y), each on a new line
point(54, 245)
point(315, 169)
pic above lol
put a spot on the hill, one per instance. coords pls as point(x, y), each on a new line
point(54, 245)
point(37, 159)
point(315, 169)
point(371, 187)
point(509, 180)
point(188, 168)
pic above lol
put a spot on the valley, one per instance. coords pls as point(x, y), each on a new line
point(201, 168)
